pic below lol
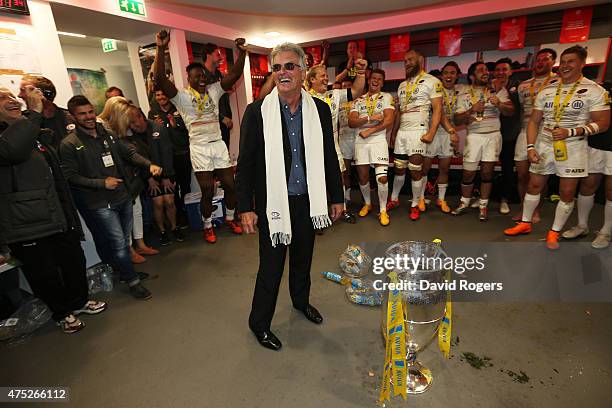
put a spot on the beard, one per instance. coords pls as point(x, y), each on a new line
point(413, 71)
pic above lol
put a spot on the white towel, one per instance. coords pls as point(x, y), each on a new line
point(277, 210)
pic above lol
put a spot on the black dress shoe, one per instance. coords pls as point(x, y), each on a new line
point(268, 340)
point(312, 314)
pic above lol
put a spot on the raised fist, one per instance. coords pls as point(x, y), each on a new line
point(162, 38)
point(241, 44)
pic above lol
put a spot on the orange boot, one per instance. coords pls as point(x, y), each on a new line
point(520, 228)
point(552, 240)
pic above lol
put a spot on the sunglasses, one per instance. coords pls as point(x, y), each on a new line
point(289, 66)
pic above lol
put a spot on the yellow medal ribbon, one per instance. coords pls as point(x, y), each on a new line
point(444, 331)
point(484, 95)
point(201, 102)
point(371, 104)
point(324, 97)
point(395, 349)
point(533, 93)
point(452, 103)
point(558, 107)
point(410, 91)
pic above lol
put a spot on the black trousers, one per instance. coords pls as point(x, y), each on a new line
point(507, 184)
point(55, 269)
point(182, 171)
point(272, 264)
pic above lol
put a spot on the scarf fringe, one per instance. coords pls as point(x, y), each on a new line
point(321, 221)
point(280, 238)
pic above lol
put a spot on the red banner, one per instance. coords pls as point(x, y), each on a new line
point(398, 45)
point(450, 41)
point(316, 53)
point(512, 33)
point(223, 65)
point(576, 25)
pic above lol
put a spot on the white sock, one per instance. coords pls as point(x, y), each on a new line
point(398, 183)
point(383, 194)
point(562, 213)
point(423, 187)
point(483, 203)
point(207, 223)
point(607, 227)
point(417, 189)
point(585, 205)
point(530, 203)
point(465, 201)
point(229, 214)
point(442, 191)
point(347, 194)
point(365, 191)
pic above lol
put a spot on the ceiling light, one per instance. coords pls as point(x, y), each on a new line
point(273, 34)
point(71, 34)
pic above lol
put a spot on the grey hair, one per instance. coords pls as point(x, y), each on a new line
point(290, 47)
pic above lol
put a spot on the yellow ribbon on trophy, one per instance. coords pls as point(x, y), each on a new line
point(444, 331)
point(395, 349)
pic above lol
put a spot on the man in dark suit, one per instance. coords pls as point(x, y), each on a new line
point(288, 65)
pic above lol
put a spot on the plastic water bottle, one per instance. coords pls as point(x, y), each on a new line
point(336, 277)
point(106, 278)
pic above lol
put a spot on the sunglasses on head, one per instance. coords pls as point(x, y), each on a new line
point(289, 66)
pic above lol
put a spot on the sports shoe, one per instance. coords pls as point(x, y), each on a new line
point(383, 218)
point(422, 206)
point(443, 206)
point(475, 203)
point(575, 232)
point(520, 228)
point(136, 257)
point(234, 226)
point(552, 240)
point(414, 213)
point(91, 307)
point(178, 235)
point(461, 209)
point(147, 251)
point(483, 214)
point(209, 235)
point(139, 292)
point(601, 241)
point(349, 217)
point(392, 204)
point(71, 324)
point(504, 208)
point(164, 239)
point(365, 210)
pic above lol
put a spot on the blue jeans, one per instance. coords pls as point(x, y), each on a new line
point(115, 223)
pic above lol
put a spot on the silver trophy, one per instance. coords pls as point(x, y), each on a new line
point(423, 309)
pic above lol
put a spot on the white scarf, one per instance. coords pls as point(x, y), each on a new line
point(277, 210)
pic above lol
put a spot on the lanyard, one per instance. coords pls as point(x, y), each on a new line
point(558, 107)
point(450, 103)
point(201, 102)
point(324, 97)
point(532, 90)
point(371, 104)
point(413, 86)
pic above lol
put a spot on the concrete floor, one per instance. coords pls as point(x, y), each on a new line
point(190, 346)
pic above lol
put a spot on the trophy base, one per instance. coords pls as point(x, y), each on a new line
point(419, 378)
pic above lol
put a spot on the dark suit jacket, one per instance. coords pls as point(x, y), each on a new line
point(251, 171)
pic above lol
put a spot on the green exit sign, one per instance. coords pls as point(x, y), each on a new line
point(108, 45)
point(133, 6)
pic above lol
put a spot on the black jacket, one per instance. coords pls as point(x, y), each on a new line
point(83, 166)
point(511, 125)
point(251, 171)
point(177, 131)
point(35, 199)
point(155, 145)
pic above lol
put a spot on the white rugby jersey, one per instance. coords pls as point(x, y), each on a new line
point(201, 115)
point(490, 119)
point(415, 101)
point(372, 105)
point(335, 98)
point(528, 91)
point(451, 102)
point(344, 129)
point(587, 97)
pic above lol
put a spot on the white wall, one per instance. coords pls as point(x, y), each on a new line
point(116, 64)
